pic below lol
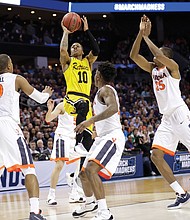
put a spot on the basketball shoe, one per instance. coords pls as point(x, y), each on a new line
point(80, 150)
point(84, 209)
point(180, 201)
point(69, 179)
point(51, 201)
point(76, 197)
point(34, 216)
point(103, 215)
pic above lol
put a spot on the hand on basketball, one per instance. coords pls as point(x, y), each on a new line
point(65, 29)
point(85, 22)
point(50, 104)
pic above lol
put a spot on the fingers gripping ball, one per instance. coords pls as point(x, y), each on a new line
point(72, 21)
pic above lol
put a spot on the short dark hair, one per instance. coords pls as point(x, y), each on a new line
point(107, 70)
point(167, 52)
point(4, 59)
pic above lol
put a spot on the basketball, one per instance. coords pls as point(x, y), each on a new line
point(72, 21)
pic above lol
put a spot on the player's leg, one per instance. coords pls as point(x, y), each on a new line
point(77, 193)
point(157, 158)
point(32, 186)
point(82, 108)
point(165, 137)
point(90, 204)
point(54, 180)
point(105, 165)
point(59, 155)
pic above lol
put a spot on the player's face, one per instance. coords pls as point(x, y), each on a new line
point(76, 50)
point(158, 64)
point(10, 65)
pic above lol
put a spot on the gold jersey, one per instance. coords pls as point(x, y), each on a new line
point(78, 76)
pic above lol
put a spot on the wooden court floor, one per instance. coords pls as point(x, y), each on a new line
point(135, 199)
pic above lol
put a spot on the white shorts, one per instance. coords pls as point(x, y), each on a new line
point(107, 151)
point(14, 151)
point(62, 147)
point(173, 128)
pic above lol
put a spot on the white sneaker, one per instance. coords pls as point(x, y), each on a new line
point(103, 215)
point(84, 209)
point(69, 179)
point(76, 198)
point(80, 149)
point(51, 202)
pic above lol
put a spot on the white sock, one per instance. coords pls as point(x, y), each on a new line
point(102, 205)
point(51, 193)
point(34, 205)
point(177, 188)
point(89, 199)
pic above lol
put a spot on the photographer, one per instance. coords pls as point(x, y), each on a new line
point(141, 142)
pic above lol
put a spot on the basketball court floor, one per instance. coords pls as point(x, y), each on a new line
point(135, 199)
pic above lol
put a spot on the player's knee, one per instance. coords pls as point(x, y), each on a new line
point(90, 169)
point(28, 171)
point(82, 108)
point(59, 165)
point(156, 156)
point(82, 175)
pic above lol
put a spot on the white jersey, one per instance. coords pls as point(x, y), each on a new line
point(109, 124)
point(166, 90)
point(9, 98)
point(66, 125)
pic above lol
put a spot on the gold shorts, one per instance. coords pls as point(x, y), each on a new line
point(69, 102)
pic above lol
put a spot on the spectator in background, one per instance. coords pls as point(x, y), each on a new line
point(49, 148)
point(40, 146)
point(33, 151)
point(129, 144)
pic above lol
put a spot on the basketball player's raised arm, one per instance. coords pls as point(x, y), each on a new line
point(169, 63)
point(53, 113)
point(93, 54)
point(106, 96)
point(40, 97)
point(134, 54)
point(64, 55)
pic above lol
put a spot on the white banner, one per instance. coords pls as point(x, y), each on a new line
point(15, 180)
point(13, 2)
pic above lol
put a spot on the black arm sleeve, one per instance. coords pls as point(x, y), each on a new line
point(93, 43)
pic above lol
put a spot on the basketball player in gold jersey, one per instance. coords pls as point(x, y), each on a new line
point(78, 75)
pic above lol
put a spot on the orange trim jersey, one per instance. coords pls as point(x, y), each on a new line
point(9, 104)
point(109, 124)
point(166, 90)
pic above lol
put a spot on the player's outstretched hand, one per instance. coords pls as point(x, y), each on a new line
point(50, 104)
point(85, 22)
point(49, 90)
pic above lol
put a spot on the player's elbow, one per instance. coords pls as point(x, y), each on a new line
point(47, 119)
point(114, 109)
point(132, 55)
point(96, 52)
